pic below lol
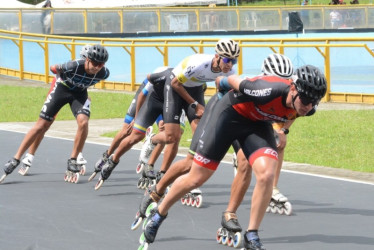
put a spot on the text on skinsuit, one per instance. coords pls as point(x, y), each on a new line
point(258, 92)
point(272, 152)
point(201, 159)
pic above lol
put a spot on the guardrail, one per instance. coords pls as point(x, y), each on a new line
point(131, 47)
point(141, 20)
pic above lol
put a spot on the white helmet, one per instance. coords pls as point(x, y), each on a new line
point(84, 50)
point(278, 65)
point(227, 48)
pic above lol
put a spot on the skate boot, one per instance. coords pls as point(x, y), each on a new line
point(152, 224)
point(252, 241)
point(148, 177)
point(26, 164)
point(235, 163)
point(72, 172)
point(147, 148)
point(279, 203)
point(149, 202)
point(81, 163)
point(193, 198)
point(99, 165)
point(9, 167)
point(106, 171)
point(159, 175)
point(230, 232)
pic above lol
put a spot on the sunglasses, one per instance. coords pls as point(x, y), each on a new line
point(227, 60)
point(306, 100)
point(96, 64)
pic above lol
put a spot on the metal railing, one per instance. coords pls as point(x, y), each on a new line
point(131, 49)
point(140, 20)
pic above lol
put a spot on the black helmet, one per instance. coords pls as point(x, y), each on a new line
point(310, 82)
point(97, 53)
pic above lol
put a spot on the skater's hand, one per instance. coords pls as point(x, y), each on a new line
point(130, 127)
point(282, 139)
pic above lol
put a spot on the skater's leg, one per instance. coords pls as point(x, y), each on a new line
point(177, 169)
point(155, 154)
point(171, 134)
point(195, 178)
point(126, 144)
point(81, 135)
point(39, 129)
point(240, 183)
point(170, 153)
point(279, 166)
point(264, 169)
point(125, 131)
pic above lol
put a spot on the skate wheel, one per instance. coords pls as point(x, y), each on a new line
point(142, 239)
point(267, 209)
point(140, 183)
point(66, 177)
point(287, 208)
point(230, 240)
point(145, 183)
point(138, 220)
point(92, 176)
point(75, 178)
point(139, 168)
point(183, 200)
point(2, 177)
point(198, 201)
point(23, 170)
point(143, 246)
point(281, 210)
point(219, 236)
point(83, 170)
point(189, 201)
point(237, 240)
point(99, 184)
point(193, 201)
point(224, 237)
point(151, 206)
point(274, 210)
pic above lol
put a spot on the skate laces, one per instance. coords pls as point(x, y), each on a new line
point(230, 216)
point(278, 196)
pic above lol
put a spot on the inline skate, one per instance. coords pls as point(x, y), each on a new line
point(106, 171)
point(193, 198)
point(230, 232)
point(148, 177)
point(99, 165)
point(252, 241)
point(140, 166)
point(9, 167)
point(149, 202)
point(279, 203)
point(26, 164)
point(81, 163)
point(152, 223)
point(72, 172)
point(147, 148)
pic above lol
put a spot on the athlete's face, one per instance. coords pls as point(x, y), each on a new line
point(93, 67)
point(301, 103)
point(226, 64)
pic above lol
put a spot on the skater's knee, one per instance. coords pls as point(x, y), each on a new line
point(172, 138)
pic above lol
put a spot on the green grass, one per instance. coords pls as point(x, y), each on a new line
point(340, 139)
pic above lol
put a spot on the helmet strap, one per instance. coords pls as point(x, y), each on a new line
point(217, 67)
point(293, 100)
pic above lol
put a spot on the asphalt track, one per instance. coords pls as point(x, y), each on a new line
point(41, 211)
